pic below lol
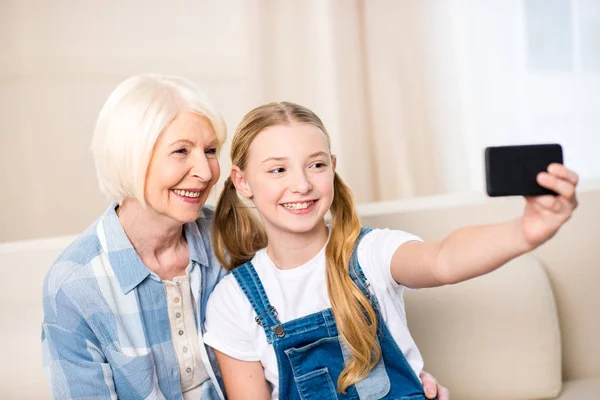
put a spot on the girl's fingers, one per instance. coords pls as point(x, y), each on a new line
point(564, 173)
point(563, 187)
point(443, 393)
point(430, 385)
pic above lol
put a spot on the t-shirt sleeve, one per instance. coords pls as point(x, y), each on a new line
point(228, 318)
point(375, 252)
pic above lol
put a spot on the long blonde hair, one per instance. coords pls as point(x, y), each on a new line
point(237, 233)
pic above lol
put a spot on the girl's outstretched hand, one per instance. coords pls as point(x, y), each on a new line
point(544, 215)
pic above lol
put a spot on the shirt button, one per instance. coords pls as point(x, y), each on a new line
point(176, 300)
point(180, 333)
point(178, 315)
point(185, 349)
point(188, 370)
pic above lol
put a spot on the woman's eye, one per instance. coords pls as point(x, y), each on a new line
point(319, 165)
point(277, 171)
point(211, 151)
point(183, 150)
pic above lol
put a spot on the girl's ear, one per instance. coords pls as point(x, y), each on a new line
point(333, 161)
point(240, 183)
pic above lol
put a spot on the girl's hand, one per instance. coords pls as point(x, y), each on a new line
point(544, 215)
point(433, 388)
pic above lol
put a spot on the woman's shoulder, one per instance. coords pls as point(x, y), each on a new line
point(71, 279)
point(76, 256)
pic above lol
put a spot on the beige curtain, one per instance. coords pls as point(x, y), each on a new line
point(359, 65)
point(381, 74)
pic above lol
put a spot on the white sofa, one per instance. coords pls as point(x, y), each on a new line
point(530, 330)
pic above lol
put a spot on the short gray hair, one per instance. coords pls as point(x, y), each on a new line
point(130, 122)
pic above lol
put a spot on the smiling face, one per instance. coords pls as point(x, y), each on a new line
point(289, 177)
point(183, 168)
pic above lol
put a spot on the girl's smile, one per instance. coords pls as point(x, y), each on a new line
point(300, 208)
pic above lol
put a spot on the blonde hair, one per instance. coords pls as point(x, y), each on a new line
point(130, 122)
point(238, 234)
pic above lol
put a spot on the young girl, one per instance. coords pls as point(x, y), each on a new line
point(316, 311)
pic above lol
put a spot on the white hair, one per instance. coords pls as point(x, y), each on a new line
point(130, 123)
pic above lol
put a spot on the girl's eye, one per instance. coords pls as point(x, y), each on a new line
point(277, 171)
point(319, 164)
point(211, 151)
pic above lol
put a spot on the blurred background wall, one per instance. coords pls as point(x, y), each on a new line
point(410, 90)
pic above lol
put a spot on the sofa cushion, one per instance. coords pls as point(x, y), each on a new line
point(493, 337)
point(580, 389)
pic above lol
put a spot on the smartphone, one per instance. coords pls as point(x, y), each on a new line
point(512, 170)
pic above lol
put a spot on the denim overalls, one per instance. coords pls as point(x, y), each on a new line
point(310, 354)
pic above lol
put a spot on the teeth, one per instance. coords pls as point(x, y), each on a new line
point(298, 206)
point(187, 193)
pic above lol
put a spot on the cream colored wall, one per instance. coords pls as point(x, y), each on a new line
point(59, 62)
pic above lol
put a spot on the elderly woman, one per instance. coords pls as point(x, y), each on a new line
point(124, 304)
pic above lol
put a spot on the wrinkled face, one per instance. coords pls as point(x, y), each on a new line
point(289, 177)
point(183, 168)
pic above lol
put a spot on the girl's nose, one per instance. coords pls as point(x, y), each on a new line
point(301, 184)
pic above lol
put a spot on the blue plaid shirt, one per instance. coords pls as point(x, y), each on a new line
point(106, 331)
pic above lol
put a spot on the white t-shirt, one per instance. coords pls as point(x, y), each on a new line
point(301, 291)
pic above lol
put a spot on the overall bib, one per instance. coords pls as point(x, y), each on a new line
point(310, 353)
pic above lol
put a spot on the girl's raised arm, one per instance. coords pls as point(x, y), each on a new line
point(476, 250)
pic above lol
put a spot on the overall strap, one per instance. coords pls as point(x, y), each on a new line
point(266, 314)
point(356, 272)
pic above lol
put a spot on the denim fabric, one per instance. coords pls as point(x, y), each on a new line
point(310, 353)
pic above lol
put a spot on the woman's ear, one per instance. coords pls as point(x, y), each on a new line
point(333, 161)
point(240, 183)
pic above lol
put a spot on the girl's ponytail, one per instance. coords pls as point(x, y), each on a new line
point(354, 314)
point(237, 236)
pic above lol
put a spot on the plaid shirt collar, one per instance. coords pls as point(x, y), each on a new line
point(127, 265)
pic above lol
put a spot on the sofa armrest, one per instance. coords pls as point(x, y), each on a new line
point(23, 266)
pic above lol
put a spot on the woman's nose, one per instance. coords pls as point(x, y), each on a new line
point(201, 168)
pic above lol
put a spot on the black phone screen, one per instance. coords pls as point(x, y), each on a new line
point(512, 170)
